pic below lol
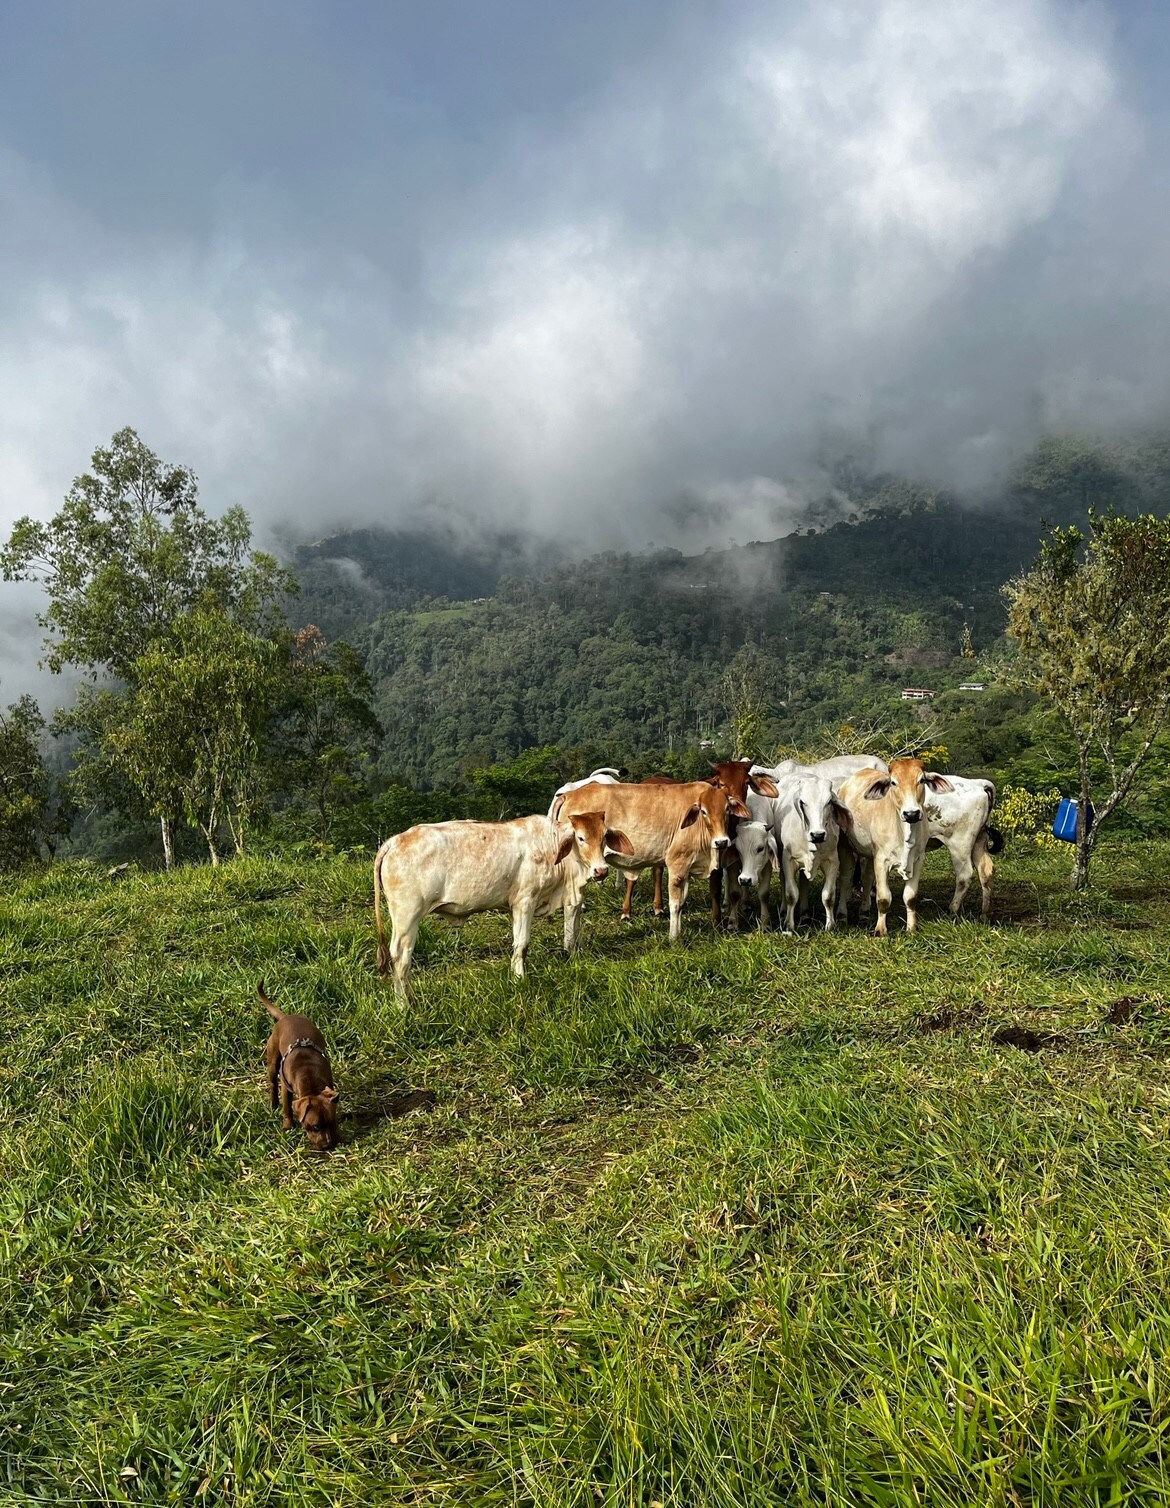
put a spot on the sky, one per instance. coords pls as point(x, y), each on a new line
point(612, 272)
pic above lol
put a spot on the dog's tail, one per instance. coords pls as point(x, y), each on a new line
point(269, 1005)
point(383, 947)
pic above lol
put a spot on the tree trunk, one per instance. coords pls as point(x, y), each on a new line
point(1086, 836)
point(168, 841)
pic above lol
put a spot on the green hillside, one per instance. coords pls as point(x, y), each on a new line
point(762, 1220)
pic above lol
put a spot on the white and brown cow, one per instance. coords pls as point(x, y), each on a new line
point(888, 829)
point(958, 820)
point(529, 867)
point(681, 827)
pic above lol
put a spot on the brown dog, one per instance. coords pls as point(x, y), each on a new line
point(296, 1057)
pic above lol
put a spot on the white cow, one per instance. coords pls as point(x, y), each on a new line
point(607, 775)
point(748, 865)
point(957, 820)
point(835, 769)
point(530, 867)
point(811, 823)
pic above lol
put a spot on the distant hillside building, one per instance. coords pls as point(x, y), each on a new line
point(971, 686)
point(916, 694)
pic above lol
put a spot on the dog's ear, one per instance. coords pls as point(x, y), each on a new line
point(330, 1094)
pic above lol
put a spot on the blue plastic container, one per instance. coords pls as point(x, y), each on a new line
point(1065, 824)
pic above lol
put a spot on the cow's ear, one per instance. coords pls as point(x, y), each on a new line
point(878, 789)
point(692, 816)
point(737, 809)
point(764, 785)
point(937, 782)
point(566, 848)
point(844, 817)
point(617, 842)
point(773, 850)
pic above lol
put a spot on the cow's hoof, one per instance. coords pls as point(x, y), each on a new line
point(627, 919)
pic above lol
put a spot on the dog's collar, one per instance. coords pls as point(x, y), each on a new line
point(292, 1047)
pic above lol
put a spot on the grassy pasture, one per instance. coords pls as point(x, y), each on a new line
point(756, 1220)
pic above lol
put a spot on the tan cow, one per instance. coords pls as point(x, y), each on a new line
point(737, 778)
point(887, 828)
point(530, 867)
point(682, 827)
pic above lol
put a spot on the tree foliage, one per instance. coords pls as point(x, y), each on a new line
point(129, 553)
point(1091, 624)
point(34, 812)
point(325, 729)
point(193, 727)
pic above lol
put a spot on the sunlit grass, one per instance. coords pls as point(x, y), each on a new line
point(757, 1219)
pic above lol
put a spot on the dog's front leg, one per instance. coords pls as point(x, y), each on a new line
point(286, 1119)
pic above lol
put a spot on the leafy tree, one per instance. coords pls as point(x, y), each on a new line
point(196, 720)
point(325, 728)
point(32, 814)
point(129, 554)
point(1091, 623)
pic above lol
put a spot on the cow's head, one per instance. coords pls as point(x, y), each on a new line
point(735, 777)
point(592, 840)
point(818, 811)
point(755, 849)
point(907, 783)
point(715, 809)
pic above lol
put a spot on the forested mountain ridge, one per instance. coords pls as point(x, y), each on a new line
point(622, 655)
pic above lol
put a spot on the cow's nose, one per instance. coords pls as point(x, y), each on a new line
point(912, 814)
point(721, 843)
point(600, 871)
point(746, 879)
point(816, 837)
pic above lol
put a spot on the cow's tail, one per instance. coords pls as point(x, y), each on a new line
point(992, 835)
point(383, 946)
point(270, 1006)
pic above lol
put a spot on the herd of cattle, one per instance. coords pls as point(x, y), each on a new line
point(823, 821)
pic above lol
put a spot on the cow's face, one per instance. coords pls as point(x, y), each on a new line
point(756, 849)
point(734, 776)
point(714, 809)
point(816, 810)
point(592, 841)
point(908, 784)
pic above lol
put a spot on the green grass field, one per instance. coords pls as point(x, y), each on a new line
point(756, 1220)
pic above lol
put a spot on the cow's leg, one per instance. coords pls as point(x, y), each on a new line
point(679, 885)
point(829, 893)
point(964, 869)
point(734, 899)
point(715, 889)
point(521, 931)
point(573, 914)
point(884, 895)
point(985, 865)
point(765, 886)
point(401, 953)
point(631, 881)
point(868, 868)
point(791, 891)
point(846, 863)
point(659, 908)
point(910, 896)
